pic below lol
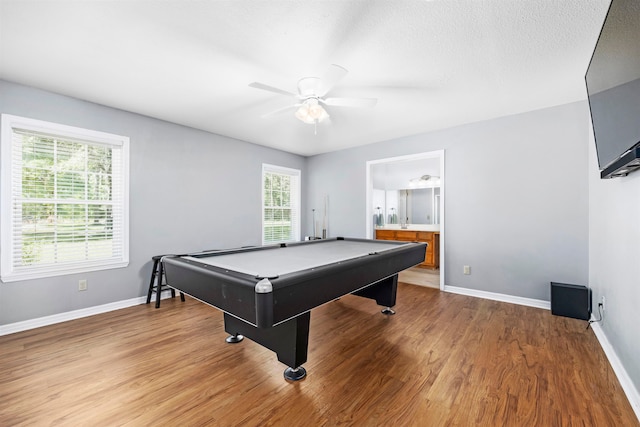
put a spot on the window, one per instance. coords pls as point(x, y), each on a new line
point(64, 197)
point(280, 204)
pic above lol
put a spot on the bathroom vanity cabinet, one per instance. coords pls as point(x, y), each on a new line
point(432, 257)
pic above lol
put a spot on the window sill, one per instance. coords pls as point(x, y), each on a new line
point(59, 271)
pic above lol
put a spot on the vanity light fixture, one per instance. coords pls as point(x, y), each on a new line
point(424, 181)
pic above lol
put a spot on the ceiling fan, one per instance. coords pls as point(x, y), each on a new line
point(312, 95)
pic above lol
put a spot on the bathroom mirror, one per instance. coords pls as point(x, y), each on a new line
point(406, 192)
point(412, 206)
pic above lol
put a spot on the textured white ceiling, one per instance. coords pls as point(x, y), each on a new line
point(431, 64)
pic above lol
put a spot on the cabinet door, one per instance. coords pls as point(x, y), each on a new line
point(427, 236)
point(385, 234)
point(406, 236)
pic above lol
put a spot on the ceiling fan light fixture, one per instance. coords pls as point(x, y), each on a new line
point(311, 112)
point(312, 92)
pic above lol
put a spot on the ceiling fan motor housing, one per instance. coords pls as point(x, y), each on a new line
point(308, 87)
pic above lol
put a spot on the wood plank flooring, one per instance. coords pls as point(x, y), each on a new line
point(443, 359)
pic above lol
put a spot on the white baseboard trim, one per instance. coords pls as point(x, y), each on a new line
point(623, 377)
point(538, 303)
point(12, 328)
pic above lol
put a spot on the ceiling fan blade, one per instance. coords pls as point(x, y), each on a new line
point(281, 110)
point(268, 88)
point(334, 74)
point(350, 102)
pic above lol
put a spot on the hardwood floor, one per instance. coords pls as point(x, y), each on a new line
point(443, 359)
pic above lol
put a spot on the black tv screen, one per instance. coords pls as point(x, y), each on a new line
point(613, 88)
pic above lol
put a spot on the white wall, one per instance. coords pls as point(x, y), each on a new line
point(190, 190)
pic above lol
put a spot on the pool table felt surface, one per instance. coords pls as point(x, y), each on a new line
point(278, 261)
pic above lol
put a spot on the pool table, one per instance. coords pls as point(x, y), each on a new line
point(267, 292)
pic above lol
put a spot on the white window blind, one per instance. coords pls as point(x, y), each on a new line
point(280, 204)
point(64, 199)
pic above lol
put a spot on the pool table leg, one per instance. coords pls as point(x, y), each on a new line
point(289, 340)
point(384, 292)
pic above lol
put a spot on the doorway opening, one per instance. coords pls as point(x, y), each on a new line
point(406, 194)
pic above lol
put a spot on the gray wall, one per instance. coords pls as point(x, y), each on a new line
point(189, 190)
point(614, 269)
point(516, 198)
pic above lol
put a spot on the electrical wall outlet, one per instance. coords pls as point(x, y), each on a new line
point(602, 302)
point(82, 284)
point(466, 269)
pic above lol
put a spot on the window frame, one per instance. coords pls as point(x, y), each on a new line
point(8, 272)
point(295, 195)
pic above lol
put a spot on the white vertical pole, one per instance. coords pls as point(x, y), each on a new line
point(324, 218)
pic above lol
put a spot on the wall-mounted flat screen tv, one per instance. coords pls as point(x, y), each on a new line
point(613, 87)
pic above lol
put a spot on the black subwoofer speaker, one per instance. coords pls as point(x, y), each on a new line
point(571, 300)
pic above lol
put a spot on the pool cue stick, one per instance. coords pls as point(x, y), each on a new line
point(314, 224)
point(324, 219)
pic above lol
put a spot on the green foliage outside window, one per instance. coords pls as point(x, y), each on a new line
point(277, 207)
point(63, 183)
